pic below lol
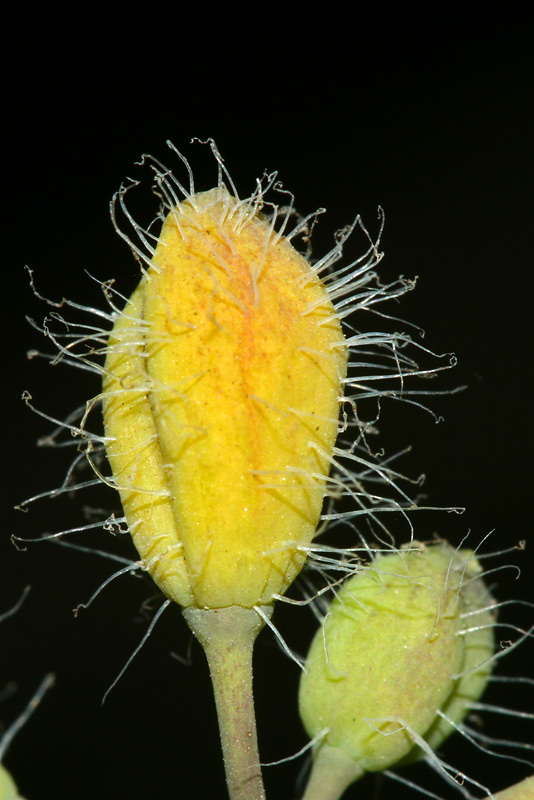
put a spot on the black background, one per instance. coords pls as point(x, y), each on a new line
point(426, 111)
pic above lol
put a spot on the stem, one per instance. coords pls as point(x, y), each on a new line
point(333, 771)
point(227, 636)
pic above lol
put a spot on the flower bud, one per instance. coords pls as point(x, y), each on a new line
point(221, 399)
point(394, 651)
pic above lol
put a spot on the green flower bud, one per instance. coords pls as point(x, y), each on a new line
point(394, 653)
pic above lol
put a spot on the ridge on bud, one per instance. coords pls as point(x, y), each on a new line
point(395, 665)
point(221, 400)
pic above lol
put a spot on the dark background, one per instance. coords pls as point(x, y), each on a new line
point(426, 111)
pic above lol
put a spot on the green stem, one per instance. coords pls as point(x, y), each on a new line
point(333, 771)
point(227, 636)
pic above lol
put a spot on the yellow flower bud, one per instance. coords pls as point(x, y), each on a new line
point(221, 399)
point(394, 651)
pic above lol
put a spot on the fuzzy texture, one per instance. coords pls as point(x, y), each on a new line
point(221, 399)
point(392, 653)
point(223, 379)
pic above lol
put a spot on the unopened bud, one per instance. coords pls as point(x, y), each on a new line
point(394, 667)
point(221, 399)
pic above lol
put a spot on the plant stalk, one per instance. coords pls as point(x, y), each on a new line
point(227, 636)
point(333, 771)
